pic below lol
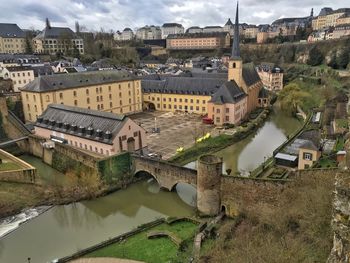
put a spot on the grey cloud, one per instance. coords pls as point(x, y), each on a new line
point(118, 14)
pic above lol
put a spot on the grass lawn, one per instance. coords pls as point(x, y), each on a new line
point(9, 166)
point(327, 163)
point(340, 144)
point(139, 247)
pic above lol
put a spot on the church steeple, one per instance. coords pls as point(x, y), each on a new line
point(235, 65)
point(236, 53)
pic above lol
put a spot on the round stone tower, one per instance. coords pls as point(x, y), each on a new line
point(209, 172)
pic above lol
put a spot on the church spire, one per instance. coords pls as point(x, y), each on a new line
point(236, 53)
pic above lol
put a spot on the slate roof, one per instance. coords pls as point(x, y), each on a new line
point(11, 31)
point(104, 126)
point(263, 93)
point(197, 35)
point(42, 70)
point(182, 85)
point(18, 68)
point(250, 76)
point(56, 32)
point(171, 25)
point(229, 22)
point(229, 92)
point(81, 79)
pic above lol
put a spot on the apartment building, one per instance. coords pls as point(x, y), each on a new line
point(250, 31)
point(12, 39)
point(199, 41)
point(194, 29)
point(19, 75)
point(89, 130)
point(57, 39)
point(149, 32)
point(328, 18)
point(271, 76)
point(113, 91)
point(343, 20)
point(171, 29)
point(186, 94)
point(341, 31)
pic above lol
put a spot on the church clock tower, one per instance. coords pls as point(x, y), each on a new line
point(235, 63)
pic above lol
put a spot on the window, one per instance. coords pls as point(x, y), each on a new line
point(158, 105)
point(197, 108)
point(180, 100)
point(204, 101)
point(169, 106)
point(36, 108)
point(217, 110)
point(100, 89)
point(191, 100)
point(197, 101)
point(88, 100)
point(175, 99)
point(111, 105)
point(87, 92)
point(110, 96)
point(96, 90)
point(47, 98)
point(129, 93)
point(74, 93)
point(101, 151)
point(191, 107)
point(203, 109)
point(101, 98)
point(97, 98)
point(61, 96)
point(227, 110)
point(307, 156)
point(75, 102)
point(121, 103)
point(76, 144)
point(120, 94)
point(136, 134)
point(169, 99)
point(186, 100)
point(123, 137)
point(227, 118)
point(90, 148)
point(217, 119)
point(96, 150)
point(109, 88)
point(164, 106)
point(158, 99)
point(164, 99)
point(128, 85)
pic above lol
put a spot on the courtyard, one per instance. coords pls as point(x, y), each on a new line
point(175, 130)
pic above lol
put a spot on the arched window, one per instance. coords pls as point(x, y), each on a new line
point(234, 65)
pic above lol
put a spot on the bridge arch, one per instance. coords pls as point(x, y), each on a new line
point(139, 173)
point(166, 174)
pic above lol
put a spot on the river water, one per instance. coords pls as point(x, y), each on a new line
point(249, 153)
point(64, 230)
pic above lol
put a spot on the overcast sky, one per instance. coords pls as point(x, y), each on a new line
point(118, 14)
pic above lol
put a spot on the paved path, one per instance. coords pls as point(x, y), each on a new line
point(104, 260)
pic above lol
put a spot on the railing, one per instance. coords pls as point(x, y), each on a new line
point(18, 123)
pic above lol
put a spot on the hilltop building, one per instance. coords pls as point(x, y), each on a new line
point(89, 130)
point(57, 39)
point(12, 39)
point(198, 41)
point(149, 33)
point(171, 29)
point(329, 18)
point(114, 91)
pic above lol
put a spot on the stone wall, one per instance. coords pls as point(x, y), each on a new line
point(166, 174)
point(238, 192)
point(341, 220)
point(25, 174)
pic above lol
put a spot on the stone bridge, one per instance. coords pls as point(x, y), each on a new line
point(166, 174)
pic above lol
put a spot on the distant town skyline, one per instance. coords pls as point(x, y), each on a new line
point(118, 14)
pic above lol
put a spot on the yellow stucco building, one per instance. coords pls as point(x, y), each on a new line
point(12, 39)
point(110, 91)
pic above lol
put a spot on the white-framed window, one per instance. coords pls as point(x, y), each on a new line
point(308, 156)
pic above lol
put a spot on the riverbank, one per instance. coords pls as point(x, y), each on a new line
point(16, 197)
point(215, 144)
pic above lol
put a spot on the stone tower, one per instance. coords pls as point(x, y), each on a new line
point(208, 185)
point(235, 64)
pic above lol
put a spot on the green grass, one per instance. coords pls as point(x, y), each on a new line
point(139, 247)
point(9, 167)
point(342, 123)
point(327, 163)
point(340, 144)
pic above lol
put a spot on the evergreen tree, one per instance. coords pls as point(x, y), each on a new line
point(28, 47)
point(315, 57)
point(343, 59)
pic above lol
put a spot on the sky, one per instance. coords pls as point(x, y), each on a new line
point(118, 14)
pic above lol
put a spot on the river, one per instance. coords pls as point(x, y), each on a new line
point(63, 230)
point(249, 153)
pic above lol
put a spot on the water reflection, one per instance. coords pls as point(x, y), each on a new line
point(65, 229)
point(249, 153)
